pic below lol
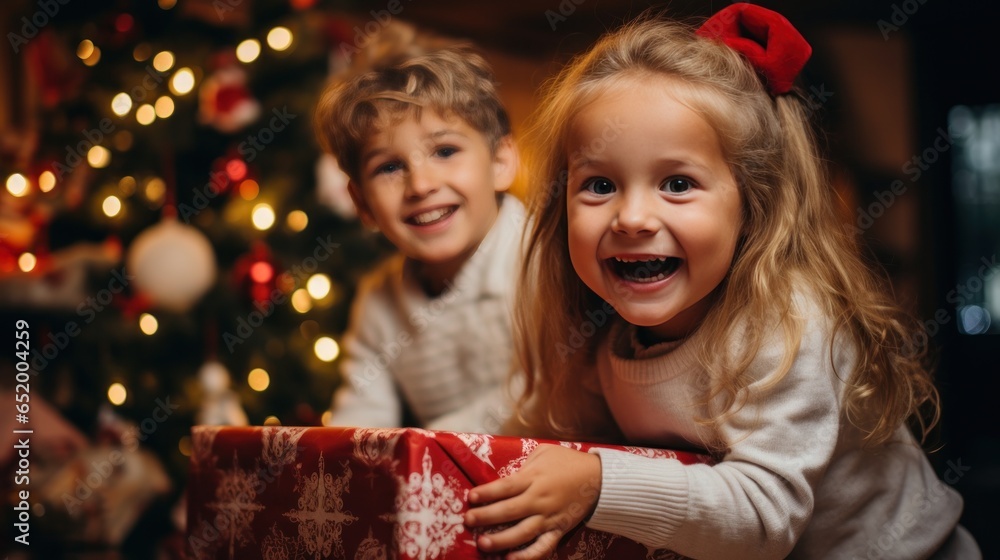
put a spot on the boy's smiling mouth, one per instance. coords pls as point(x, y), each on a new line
point(643, 269)
point(430, 217)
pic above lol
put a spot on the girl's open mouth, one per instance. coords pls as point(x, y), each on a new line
point(644, 270)
point(431, 217)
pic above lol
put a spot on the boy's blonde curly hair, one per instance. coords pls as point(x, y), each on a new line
point(452, 80)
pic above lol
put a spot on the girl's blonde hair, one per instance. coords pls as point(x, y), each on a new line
point(791, 242)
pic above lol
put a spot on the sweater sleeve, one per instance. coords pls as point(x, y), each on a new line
point(757, 501)
point(368, 397)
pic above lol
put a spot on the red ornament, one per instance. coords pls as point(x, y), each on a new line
point(224, 100)
point(123, 23)
point(255, 274)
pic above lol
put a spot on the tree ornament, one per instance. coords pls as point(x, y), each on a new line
point(173, 264)
point(220, 405)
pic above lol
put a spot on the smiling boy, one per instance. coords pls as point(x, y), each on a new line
point(426, 143)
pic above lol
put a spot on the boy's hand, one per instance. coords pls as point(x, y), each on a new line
point(555, 490)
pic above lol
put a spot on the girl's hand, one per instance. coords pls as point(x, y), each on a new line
point(555, 490)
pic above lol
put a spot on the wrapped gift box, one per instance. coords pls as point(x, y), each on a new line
point(362, 494)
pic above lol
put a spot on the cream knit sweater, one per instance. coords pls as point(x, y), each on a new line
point(795, 481)
point(448, 357)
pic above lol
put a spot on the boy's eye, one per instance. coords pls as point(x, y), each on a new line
point(677, 185)
point(446, 151)
point(390, 167)
point(599, 185)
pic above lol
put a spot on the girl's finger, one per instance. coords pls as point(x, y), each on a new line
point(511, 537)
point(498, 489)
point(504, 511)
point(543, 547)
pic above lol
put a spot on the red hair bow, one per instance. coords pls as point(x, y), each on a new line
point(768, 40)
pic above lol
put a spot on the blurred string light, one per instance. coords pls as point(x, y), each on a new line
point(123, 23)
point(85, 49)
point(262, 216)
point(279, 38)
point(111, 206)
point(258, 379)
point(182, 81)
point(248, 51)
point(301, 301)
point(327, 418)
point(297, 220)
point(164, 107)
point(236, 169)
point(94, 57)
point(326, 349)
point(184, 446)
point(142, 52)
point(148, 324)
point(155, 189)
point(46, 181)
point(98, 157)
point(26, 262)
point(145, 114)
point(127, 185)
point(121, 104)
point(166, 4)
point(318, 286)
point(272, 421)
point(117, 394)
point(249, 189)
point(261, 272)
point(163, 61)
point(17, 185)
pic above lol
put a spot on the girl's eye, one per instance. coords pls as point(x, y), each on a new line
point(599, 185)
point(677, 185)
point(445, 152)
point(388, 168)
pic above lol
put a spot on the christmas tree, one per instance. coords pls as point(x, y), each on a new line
point(176, 244)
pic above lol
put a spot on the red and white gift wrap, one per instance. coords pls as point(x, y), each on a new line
point(284, 493)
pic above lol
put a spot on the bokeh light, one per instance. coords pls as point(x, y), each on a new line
point(46, 181)
point(326, 349)
point(279, 38)
point(17, 185)
point(301, 301)
point(117, 394)
point(121, 104)
point(318, 286)
point(182, 81)
point(258, 379)
point(99, 157)
point(297, 220)
point(248, 51)
point(26, 262)
point(164, 107)
point(163, 61)
point(111, 206)
point(262, 216)
point(148, 324)
point(145, 114)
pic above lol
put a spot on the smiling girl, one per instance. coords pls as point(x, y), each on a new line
point(747, 323)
